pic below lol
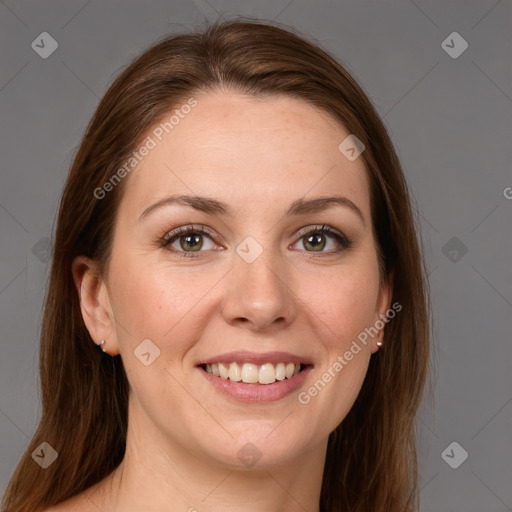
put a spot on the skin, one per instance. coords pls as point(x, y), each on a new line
point(257, 155)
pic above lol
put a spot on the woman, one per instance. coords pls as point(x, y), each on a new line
point(236, 236)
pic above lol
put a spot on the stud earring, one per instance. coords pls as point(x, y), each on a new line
point(379, 343)
point(101, 345)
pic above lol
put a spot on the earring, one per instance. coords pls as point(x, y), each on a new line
point(379, 343)
point(101, 345)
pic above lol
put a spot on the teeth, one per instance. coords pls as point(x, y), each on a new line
point(234, 372)
point(252, 373)
point(249, 373)
point(223, 371)
point(267, 374)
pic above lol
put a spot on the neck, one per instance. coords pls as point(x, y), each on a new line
point(159, 474)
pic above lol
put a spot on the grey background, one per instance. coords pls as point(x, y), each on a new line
point(450, 119)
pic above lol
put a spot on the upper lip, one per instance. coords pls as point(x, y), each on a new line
point(242, 356)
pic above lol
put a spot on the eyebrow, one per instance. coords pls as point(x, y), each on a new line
point(212, 206)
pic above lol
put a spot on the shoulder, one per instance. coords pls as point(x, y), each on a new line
point(82, 502)
point(96, 498)
point(74, 504)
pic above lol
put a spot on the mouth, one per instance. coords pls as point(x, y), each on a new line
point(255, 378)
point(250, 373)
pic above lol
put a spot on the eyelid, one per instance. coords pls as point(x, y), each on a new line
point(329, 231)
point(200, 227)
point(320, 228)
point(192, 228)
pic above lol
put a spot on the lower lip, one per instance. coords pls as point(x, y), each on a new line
point(257, 393)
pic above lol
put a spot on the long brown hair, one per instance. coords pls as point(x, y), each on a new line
point(371, 457)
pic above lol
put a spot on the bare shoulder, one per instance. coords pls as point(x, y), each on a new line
point(69, 505)
point(96, 498)
point(85, 501)
point(74, 504)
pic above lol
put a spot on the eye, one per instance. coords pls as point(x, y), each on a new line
point(189, 240)
point(314, 239)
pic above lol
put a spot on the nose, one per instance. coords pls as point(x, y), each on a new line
point(258, 294)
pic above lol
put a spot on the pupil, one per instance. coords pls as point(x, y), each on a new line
point(320, 242)
point(195, 240)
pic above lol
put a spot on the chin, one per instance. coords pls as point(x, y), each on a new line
point(256, 451)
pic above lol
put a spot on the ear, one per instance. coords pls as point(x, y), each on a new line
point(383, 304)
point(95, 303)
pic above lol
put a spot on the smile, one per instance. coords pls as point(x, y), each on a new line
point(255, 378)
point(250, 373)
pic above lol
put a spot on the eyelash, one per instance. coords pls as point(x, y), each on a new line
point(169, 238)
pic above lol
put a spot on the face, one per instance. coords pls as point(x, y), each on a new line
point(256, 281)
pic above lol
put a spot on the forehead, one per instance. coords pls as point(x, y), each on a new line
point(246, 151)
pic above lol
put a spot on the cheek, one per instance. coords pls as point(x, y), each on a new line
point(347, 307)
point(165, 305)
point(355, 312)
point(140, 300)
point(345, 302)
